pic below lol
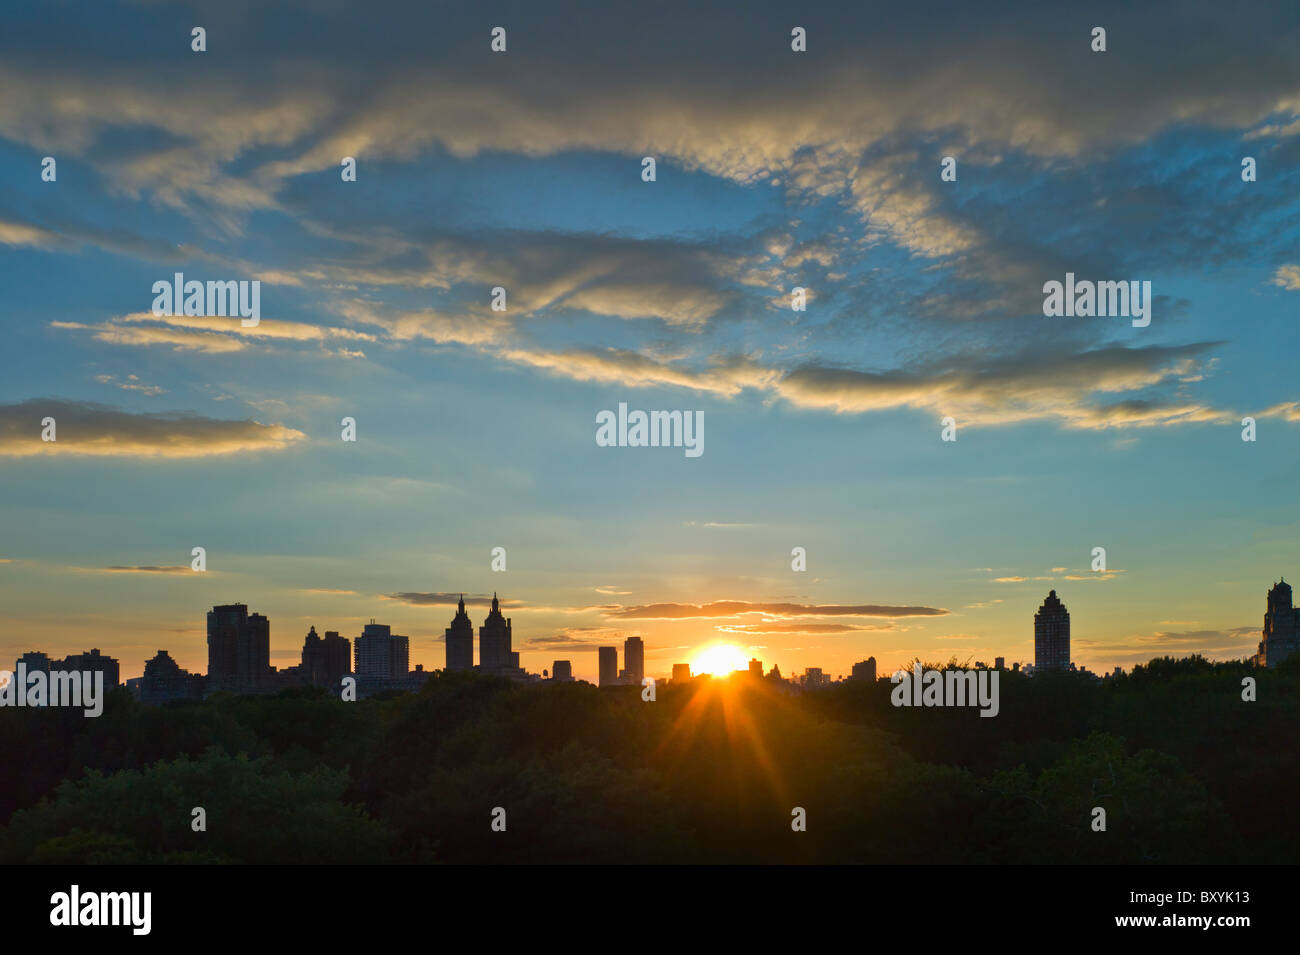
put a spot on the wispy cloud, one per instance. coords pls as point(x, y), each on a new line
point(732, 608)
point(83, 428)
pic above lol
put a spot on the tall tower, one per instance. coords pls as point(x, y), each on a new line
point(337, 652)
point(1052, 635)
point(634, 660)
point(382, 654)
point(608, 665)
point(460, 640)
point(494, 650)
point(239, 648)
point(1281, 633)
point(325, 662)
point(313, 658)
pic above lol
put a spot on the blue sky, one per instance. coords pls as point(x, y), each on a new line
point(775, 169)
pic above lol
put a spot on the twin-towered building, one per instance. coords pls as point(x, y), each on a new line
point(633, 671)
point(496, 653)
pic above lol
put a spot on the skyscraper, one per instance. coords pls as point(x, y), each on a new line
point(494, 651)
point(338, 657)
point(1281, 627)
point(608, 665)
point(755, 667)
point(326, 661)
point(681, 673)
point(1052, 635)
point(382, 654)
point(562, 671)
point(239, 649)
point(634, 660)
point(460, 640)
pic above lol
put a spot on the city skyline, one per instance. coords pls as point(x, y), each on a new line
point(238, 648)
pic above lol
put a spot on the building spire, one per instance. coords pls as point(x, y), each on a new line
point(495, 607)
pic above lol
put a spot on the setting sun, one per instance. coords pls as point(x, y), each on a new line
point(719, 659)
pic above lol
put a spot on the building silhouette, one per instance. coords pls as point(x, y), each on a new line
point(34, 660)
point(381, 655)
point(681, 673)
point(460, 641)
point(239, 649)
point(866, 670)
point(1281, 627)
point(633, 661)
point(165, 680)
point(93, 661)
point(1052, 635)
point(326, 661)
point(813, 677)
point(495, 654)
point(608, 657)
point(562, 671)
point(755, 667)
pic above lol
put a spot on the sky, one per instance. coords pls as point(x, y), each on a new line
point(774, 170)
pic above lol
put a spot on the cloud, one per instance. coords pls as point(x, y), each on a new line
point(115, 334)
point(480, 328)
point(20, 233)
point(95, 429)
point(576, 639)
point(1023, 79)
point(1068, 386)
point(830, 123)
point(1230, 644)
point(416, 599)
point(213, 334)
point(1286, 410)
point(146, 569)
point(725, 377)
point(835, 130)
point(131, 383)
point(800, 628)
point(1033, 385)
point(1287, 277)
point(732, 608)
point(265, 328)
